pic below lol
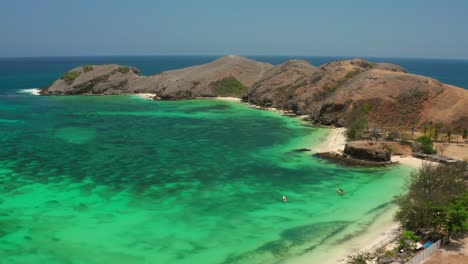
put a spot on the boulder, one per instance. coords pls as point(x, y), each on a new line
point(302, 150)
point(367, 151)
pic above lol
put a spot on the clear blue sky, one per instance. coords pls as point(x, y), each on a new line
point(396, 28)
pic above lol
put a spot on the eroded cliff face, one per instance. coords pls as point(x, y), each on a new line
point(337, 93)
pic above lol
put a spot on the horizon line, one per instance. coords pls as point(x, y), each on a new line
point(222, 55)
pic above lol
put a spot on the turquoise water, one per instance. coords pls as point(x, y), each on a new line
point(126, 180)
point(121, 179)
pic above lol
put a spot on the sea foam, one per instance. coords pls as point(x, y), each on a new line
point(33, 91)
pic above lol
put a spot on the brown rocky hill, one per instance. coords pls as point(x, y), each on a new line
point(343, 91)
point(207, 80)
point(338, 93)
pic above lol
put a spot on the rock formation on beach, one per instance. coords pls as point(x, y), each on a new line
point(372, 151)
point(361, 153)
point(337, 93)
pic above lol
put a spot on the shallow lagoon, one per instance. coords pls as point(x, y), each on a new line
point(124, 180)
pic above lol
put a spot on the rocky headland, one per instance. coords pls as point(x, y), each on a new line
point(337, 93)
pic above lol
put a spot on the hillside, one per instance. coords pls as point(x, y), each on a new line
point(337, 93)
point(228, 76)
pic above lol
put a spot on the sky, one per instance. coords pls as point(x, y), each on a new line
point(397, 28)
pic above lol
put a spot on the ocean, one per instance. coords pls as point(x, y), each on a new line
point(121, 179)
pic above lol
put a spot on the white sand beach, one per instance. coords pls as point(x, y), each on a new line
point(335, 141)
point(231, 99)
point(411, 161)
point(378, 233)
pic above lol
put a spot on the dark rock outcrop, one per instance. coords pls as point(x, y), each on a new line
point(350, 161)
point(370, 151)
point(302, 150)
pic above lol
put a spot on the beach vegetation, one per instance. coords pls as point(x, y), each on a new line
point(425, 144)
point(465, 133)
point(436, 201)
point(410, 235)
point(360, 258)
point(69, 77)
point(87, 68)
point(229, 86)
point(356, 128)
point(123, 69)
point(389, 254)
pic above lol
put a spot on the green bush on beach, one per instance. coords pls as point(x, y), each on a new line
point(356, 128)
point(360, 258)
point(425, 144)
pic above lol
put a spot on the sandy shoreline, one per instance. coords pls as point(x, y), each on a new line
point(335, 141)
point(381, 231)
point(151, 96)
point(230, 99)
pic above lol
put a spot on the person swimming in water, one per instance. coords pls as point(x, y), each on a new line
point(285, 199)
point(340, 191)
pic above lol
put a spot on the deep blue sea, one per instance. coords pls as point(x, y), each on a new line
point(23, 73)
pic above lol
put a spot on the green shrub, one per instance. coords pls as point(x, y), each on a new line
point(410, 235)
point(355, 129)
point(360, 258)
point(124, 69)
point(229, 86)
point(390, 254)
point(70, 76)
point(87, 68)
point(425, 144)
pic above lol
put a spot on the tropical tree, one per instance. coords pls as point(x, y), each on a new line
point(436, 199)
point(425, 144)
